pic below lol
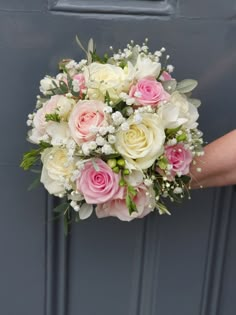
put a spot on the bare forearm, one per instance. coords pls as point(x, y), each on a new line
point(218, 165)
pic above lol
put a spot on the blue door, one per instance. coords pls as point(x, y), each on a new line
point(178, 265)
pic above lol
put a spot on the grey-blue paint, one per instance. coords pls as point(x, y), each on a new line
point(183, 264)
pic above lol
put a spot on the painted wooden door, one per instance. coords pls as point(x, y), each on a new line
point(183, 264)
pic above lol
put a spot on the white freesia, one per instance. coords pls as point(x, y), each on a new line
point(178, 111)
point(143, 143)
point(46, 84)
point(35, 136)
point(64, 107)
point(58, 132)
point(56, 170)
point(145, 67)
point(106, 78)
point(57, 104)
point(135, 178)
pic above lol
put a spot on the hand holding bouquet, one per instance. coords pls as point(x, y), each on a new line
point(115, 134)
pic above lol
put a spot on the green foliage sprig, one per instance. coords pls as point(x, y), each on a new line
point(31, 157)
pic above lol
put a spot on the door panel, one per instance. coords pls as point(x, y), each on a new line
point(183, 264)
point(23, 5)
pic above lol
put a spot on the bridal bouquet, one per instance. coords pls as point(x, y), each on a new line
point(115, 134)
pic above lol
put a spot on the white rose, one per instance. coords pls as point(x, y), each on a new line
point(103, 78)
point(56, 170)
point(145, 67)
point(178, 111)
point(143, 143)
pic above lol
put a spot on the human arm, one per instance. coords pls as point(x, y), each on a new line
point(218, 164)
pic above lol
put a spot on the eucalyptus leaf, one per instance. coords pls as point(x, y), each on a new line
point(54, 83)
point(90, 50)
point(170, 85)
point(96, 167)
point(85, 211)
point(80, 44)
point(134, 56)
point(63, 87)
point(186, 85)
point(196, 102)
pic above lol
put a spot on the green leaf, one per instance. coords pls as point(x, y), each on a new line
point(181, 137)
point(132, 191)
point(196, 102)
point(91, 49)
point(35, 171)
point(53, 117)
point(77, 217)
point(162, 208)
point(61, 208)
point(96, 167)
point(107, 98)
point(75, 94)
point(55, 84)
point(44, 145)
point(185, 179)
point(162, 163)
point(66, 225)
point(35, 183)
point(186, 85)
point(130, 203)
point(63, 87)
point(172, 132)
point(80, 44)
point(170, 85)
point(30, 158)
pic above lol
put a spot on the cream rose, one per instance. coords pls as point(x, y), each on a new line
point(56, 170)
point(103, 78)
point(143, 143)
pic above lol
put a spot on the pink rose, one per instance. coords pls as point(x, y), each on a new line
point(80, 78)
point(98, 183)
point(48, 108)
point(179, 157)
point(148, 92)
point(86, 114)
point(165, 76)
point(117, 207)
